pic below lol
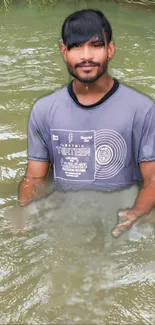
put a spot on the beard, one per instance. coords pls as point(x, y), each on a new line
point(87, 79)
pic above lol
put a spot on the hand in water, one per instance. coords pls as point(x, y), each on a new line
point(19, 218)
point(127, 218)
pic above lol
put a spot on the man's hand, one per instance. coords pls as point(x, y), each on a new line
point(126, 220)
point(144, 202)
point(32, 189)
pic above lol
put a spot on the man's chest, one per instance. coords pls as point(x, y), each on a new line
point(90, 145)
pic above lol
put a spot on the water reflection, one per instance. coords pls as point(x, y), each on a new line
point(67, 267)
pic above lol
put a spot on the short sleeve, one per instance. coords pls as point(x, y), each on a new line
point(37, 144)
point(144, 136)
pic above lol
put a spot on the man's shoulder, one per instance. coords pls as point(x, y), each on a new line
point(46, 102)
point(135, 96)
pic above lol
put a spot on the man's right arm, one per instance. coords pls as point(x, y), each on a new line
point(33, 185)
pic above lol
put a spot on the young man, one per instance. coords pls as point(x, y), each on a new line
point(95, 133)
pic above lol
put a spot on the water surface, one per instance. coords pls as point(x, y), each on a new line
point(66, 268)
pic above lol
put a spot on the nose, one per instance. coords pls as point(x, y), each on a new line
point(86, 53)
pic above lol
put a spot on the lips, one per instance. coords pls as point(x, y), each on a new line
point(87, 67)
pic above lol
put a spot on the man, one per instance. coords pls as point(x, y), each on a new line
point(96, 133)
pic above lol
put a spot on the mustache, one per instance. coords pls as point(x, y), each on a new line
point(91, 63)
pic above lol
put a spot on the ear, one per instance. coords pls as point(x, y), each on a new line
point(111, 50)
point(63, 50)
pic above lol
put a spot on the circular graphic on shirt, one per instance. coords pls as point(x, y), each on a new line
point(111, 152)
point(104, 154)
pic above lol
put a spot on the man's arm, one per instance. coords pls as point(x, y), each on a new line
point(144, 202)
point(146, 198)
point(35, 177)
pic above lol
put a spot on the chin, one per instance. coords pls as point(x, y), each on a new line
point(87, 79)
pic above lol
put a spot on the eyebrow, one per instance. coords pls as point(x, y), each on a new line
point(97, 41)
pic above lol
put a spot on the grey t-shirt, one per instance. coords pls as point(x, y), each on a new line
point(97, 147)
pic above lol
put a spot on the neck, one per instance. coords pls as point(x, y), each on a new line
point(102, 85)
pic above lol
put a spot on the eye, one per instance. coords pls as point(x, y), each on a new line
point(77, 45)
point(97, 44)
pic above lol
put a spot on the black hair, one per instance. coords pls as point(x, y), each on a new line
point(83, 25)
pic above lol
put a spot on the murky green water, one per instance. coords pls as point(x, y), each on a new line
point(66, 268)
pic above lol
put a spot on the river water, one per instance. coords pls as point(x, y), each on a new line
point(65, 267)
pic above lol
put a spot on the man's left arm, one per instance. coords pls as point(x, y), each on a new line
point(144, 202)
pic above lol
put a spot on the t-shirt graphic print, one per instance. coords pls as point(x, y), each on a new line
point(87, 155)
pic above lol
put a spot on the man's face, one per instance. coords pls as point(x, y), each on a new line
point(88, 61)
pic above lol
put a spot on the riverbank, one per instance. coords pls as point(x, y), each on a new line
point(141, 2)
point(6, 4)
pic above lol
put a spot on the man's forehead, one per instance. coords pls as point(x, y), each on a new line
point(94, 39)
